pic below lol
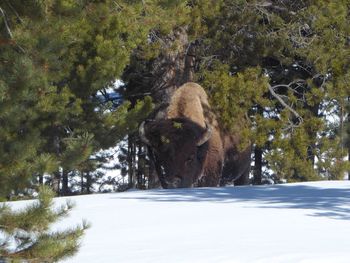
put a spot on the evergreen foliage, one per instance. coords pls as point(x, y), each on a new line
point(301, 49)
point(56, 56)
point(278, 68)
point(26, 236)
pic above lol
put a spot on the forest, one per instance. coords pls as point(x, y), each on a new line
point(78, 77)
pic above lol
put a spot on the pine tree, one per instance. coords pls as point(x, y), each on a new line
point(55, 58)
point(272, 62)
point(282, 65)
point(27, 237)
point(282, 41)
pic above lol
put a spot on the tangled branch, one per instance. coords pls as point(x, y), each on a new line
point(8, 29)
point(284, 104)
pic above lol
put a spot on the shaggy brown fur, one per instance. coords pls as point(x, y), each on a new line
point(174, 144)
point(216, 162)
point(191, 101)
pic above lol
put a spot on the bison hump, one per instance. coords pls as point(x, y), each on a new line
point(189, 101)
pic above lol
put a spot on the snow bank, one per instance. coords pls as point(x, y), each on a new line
point(305, 222)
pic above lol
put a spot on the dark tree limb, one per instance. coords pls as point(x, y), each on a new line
point(8, 30)
point(284, 104)
point(14, 11)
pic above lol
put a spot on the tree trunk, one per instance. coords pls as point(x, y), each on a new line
point(159, 77)
point(141, 167)
point(41, 179)
point(56, 182)
point(348, 143)
point(131, 163)
point(81, 182)
point(171, 70)
point(88, 183)
point(65, 189)
point(349, 161)
point(312, 135)
point(258, 153)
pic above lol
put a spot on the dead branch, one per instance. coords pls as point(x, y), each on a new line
point(8, 30)
point(284, 104)
point(3, 14)
point(14, 11)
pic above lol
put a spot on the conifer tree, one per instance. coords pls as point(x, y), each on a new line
point(282, 40)
point(26, 234)
point(279, 66)
point(55, 58)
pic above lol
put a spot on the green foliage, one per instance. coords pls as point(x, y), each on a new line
point(45, 163)
point(28, 230)
point(19, 137)
point(78, 149)
point(59, 55)
point(302, 50)
point(177, 125)
point(233, 95)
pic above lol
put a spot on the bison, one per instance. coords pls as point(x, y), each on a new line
point(188, 146)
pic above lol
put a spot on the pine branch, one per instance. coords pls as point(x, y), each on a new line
point(34, 243)
point(3, 14)
point(14, 11)
point(284, 104)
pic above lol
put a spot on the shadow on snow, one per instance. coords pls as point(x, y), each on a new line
point(328, 202)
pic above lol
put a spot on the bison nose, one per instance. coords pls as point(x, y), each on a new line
point(174, 183)
point(177, 182)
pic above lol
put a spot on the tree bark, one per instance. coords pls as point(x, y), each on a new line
point(173, 67)
point(81, 182)
point(258, 153)
point(56, 182)
point(65, 189)
point(161, 77)
point(131, 163)
point(88, 183)
point(348, 143)
point(349, 161)
point(140, 168)
point(312, 135)
point(41, 179)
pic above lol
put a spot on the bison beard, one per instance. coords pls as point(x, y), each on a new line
point(188, 147)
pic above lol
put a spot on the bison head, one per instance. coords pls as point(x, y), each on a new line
point(179, 146)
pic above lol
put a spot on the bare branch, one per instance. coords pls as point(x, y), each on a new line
point(14, 11)
point(3, 14)
point(284, 104)
point(274, 6)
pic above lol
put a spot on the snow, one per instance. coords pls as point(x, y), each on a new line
point(303, 222)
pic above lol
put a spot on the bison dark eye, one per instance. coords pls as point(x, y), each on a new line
point(189, 160)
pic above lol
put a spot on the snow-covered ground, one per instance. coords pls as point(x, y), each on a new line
point(304, 222)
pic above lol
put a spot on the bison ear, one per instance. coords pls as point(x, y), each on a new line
point(205, 136)
point(143, 135)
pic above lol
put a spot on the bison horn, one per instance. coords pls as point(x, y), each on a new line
point(205, 136)
point(143, 134)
